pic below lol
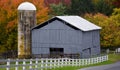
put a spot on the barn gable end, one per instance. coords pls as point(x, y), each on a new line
point(48, 25)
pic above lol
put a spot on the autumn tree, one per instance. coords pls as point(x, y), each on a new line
point(98, 19)
point(116, 19)
point(42, 10)
point(116, 3)
point(110, 32)
point(8, 21)
point(8, 25)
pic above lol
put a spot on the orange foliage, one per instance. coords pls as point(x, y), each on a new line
point(8, 11)
point(42, 10)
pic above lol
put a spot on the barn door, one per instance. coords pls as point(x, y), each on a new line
point(56, 52)
point(86, 53)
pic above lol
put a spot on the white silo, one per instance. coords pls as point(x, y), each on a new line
point(27, 20)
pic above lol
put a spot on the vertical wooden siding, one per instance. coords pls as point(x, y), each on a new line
point(58, 34)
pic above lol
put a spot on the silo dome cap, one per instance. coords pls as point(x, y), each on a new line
point(26, 6)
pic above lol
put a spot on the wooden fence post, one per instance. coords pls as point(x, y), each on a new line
point(107, 57)
point(58, 62)
point(89, 61)
point(51, 63)
point(36, 63)
point(102, 58)
point(76, 63)
point(73, 62)
point(46, 63)
point(54, 62)
point(24, 63)
point(66, 62)
point(92, 62)
point(69, 63)
point(30, 67)
point(42, 64)
point(62, 62)
point(97, 60)
point(85, 62)
point(82, 62)
point(8, 64)
point(79, 61)
point(16, 68)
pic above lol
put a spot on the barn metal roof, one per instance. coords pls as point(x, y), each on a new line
point(74, 21)
point(79, 22)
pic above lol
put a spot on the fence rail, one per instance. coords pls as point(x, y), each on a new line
point(40, 64)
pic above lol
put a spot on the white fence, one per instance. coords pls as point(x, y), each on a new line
point(40, 64)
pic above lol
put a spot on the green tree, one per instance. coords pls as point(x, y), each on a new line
point(57, 9)
point(2, 38)
point(103, 6)
point(80, 7)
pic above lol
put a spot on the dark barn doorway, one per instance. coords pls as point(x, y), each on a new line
point(56, 52)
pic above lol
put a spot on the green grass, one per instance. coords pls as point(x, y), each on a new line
point(114, 57)
point(65, 68)
point(79, 67)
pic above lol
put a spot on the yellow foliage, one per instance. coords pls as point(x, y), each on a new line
point(110, 33)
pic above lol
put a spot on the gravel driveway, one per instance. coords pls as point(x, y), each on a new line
point(115, 66)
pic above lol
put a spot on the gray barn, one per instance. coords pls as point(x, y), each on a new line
point(66, 35)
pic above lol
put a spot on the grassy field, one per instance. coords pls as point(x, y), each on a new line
point(112, 59)
point(76, 68)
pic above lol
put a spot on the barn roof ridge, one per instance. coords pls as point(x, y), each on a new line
point(75, 21)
